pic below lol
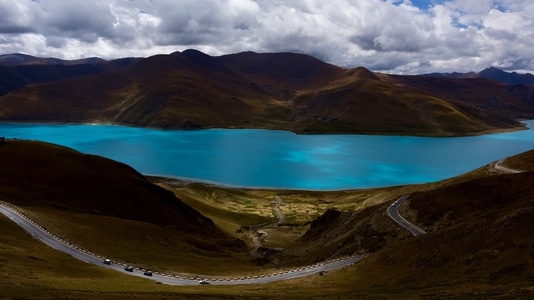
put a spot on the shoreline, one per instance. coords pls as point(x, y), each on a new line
point(351, 183)
point(183, 181)
point(522, 126)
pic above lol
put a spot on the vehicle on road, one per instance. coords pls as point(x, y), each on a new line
point(129, 269)
point(107, 261)
point(203, 281)
point(148, 273)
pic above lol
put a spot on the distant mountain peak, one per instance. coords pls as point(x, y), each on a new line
point(492, 70)
point(205, 61)
point(493, 73)
point(364, 73)
point(14, 59)
point(17, 59)
point(505, 77)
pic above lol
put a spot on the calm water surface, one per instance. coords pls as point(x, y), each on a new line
point(281, 159)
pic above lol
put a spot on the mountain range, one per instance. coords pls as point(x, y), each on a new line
point(513, 78)
point(285, 91)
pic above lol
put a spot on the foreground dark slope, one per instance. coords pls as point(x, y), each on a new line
point(479, 244)
point(36, 174)
point(480, 238)
point(278, 91)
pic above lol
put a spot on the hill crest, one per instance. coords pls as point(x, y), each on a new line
point(48, 175)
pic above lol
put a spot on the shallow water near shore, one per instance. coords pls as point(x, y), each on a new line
point(281, 159)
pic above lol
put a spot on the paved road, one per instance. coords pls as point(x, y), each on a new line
point(393, 212)
point(393, 209)
point(498, 165)
point(43, 235)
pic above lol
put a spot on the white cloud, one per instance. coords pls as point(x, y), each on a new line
point(392, 36)
point(15, 17)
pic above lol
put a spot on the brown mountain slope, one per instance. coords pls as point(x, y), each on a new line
point(18, 76)
point(480, 238)
point(282, 74)
point(46, 175)
point(17, 70)
point(110, 209)
point(10, 80)
point(481, 93)
point(360, 99)
point(179, 90)
point(281, 91)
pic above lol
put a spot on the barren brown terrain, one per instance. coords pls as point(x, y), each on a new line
point(286, 91)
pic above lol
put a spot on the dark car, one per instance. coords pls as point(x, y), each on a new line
point(107, 261)
point(129, 269)
point(148, 273)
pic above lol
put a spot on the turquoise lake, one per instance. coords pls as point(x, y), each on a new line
point(281, 159)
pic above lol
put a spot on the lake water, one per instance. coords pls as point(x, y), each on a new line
point(281, 159)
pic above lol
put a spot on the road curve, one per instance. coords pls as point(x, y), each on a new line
point(393, 209)
point(393, 212)
point(498, 165)
point(46, 237)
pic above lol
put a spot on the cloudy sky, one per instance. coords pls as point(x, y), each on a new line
point(397, 36)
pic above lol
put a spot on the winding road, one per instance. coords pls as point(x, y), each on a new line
point(498, 165)
point(46, 237)
point(277, 211)
point(393, 212)
point(393, 209)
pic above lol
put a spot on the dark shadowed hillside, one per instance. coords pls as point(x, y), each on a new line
point(480, 96)
point(10, 80)
point(282, 73)
point(17, 70)
point(18, 76)
point(508, 78)
point(480, 232)
point(479, 242)
point(480, 237)
point(46, 175)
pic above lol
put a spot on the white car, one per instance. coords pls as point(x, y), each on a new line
point(203, 281)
